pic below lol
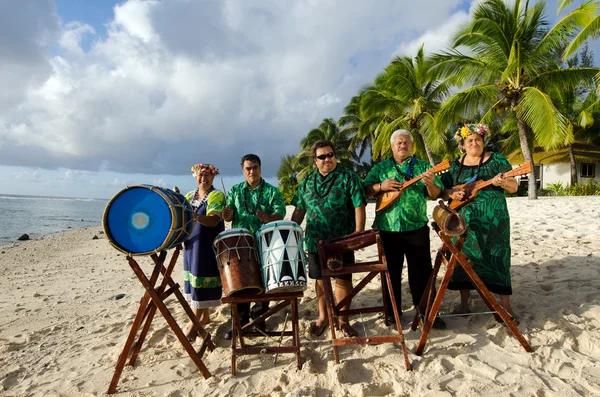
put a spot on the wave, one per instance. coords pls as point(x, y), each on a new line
point(49, 198)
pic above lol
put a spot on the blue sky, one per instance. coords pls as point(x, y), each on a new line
point(103, 94)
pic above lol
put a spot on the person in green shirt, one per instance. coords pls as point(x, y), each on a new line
point(487, 241)
point(251, 204)
point(333, 201)
point(403, 225)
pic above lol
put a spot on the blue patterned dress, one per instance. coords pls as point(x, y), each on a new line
point(202, 281)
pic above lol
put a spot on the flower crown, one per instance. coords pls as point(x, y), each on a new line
point(208, 168)
point(468, 129)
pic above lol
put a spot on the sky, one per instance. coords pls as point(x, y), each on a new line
point(98, 95)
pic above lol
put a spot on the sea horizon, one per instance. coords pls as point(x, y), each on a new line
point(37, 216)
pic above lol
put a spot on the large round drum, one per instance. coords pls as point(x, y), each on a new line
point(145, 219)
point(238, 262)
point(281, 249)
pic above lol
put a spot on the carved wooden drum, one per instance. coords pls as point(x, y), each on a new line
point(238, 262)
point(281, 248)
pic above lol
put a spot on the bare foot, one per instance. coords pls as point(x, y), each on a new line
point(190, 332)
point(461, 309)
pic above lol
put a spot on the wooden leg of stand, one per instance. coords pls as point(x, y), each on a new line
point(173, 324)
point(493, 304)
point(294, 309)
point(485, 294)
point(426, 299)
point(158, 263)
point(128, 344)
point(331, 314)
point(235, 331)
point(386, 275)
point(435, 307)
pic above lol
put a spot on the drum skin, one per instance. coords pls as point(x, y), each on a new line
point(283, 260)
point(238, 263)
point(146, 219)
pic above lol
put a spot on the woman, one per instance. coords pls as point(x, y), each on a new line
point(202, 283)
point(487, 243)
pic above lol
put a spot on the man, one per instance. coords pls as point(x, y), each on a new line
point(333, 200)
point(251, 204)
point(403, 225)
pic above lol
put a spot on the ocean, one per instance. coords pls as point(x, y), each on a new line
point(38, 215)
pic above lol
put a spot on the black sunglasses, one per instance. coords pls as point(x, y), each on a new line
point(326, 156)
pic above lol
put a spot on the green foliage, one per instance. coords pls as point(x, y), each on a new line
point(287, 177)
point(590, 188)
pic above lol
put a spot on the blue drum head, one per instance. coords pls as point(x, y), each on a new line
point(138, 220)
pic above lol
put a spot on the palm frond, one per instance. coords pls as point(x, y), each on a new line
point(548, 125)
point(591, 29)
point(465, 103)
point(563, 79)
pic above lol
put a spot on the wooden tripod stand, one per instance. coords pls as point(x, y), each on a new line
point(353, 242)
point(152, 300)
point(432, 305)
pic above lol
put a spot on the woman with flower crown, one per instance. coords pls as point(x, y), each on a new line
point(487, 242)
point(202, 282)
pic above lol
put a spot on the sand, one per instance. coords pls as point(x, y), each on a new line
point(62, 328)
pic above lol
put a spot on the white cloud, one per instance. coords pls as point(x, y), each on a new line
point(178, 82)
point(28, 176)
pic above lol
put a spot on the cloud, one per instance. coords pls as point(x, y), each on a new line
point(28, 176)
point(179, 82)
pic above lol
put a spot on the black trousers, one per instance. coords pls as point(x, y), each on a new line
point(245, 312)
point(413, 245)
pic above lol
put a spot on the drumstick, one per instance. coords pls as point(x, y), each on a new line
point(222, 184)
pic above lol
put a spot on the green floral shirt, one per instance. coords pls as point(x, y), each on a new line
point(409, 212)
point(245, 201)
point(330, 204)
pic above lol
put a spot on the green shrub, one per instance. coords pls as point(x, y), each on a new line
point(590, 188)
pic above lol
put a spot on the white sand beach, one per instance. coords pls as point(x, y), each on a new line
point(62, 330)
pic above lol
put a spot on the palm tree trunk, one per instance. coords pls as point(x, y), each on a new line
point(531, 188)
point(430, 156)
point(573, 166)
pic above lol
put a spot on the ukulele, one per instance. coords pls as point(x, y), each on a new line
point(473, 188)
point(385, 199)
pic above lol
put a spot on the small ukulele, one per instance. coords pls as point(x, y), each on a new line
point(473, 188)
point(385, 199)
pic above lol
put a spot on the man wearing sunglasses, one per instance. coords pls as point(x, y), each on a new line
point(403, 225)
point(249, 205)
point(333, 200)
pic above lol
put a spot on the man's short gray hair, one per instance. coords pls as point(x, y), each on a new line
point(401, 132)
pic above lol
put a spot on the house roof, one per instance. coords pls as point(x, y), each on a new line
point(584, 153)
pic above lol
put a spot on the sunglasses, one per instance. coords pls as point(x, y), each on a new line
point(326, 156)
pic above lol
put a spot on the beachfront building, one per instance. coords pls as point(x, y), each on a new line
point(554, 166)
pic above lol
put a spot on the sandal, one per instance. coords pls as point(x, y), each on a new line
point(348, 331)
point(317, 330)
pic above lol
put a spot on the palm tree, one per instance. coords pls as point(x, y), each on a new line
point(580, 104)
point(328, 130)
point(287, 177)
point(353, 124)
point(512, 69)
point(408, 93)
point(583, 23)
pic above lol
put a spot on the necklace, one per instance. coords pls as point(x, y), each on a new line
point(462, 163)
point(247, 201)
point(204, 199)
point(327, 187)
point(411, 167)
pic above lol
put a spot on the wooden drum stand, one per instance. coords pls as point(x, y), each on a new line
point(154, 299)
point(444, 218)
point(334, 248)
point(289, 298)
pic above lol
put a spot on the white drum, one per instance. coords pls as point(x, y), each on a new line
point(281, 249)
